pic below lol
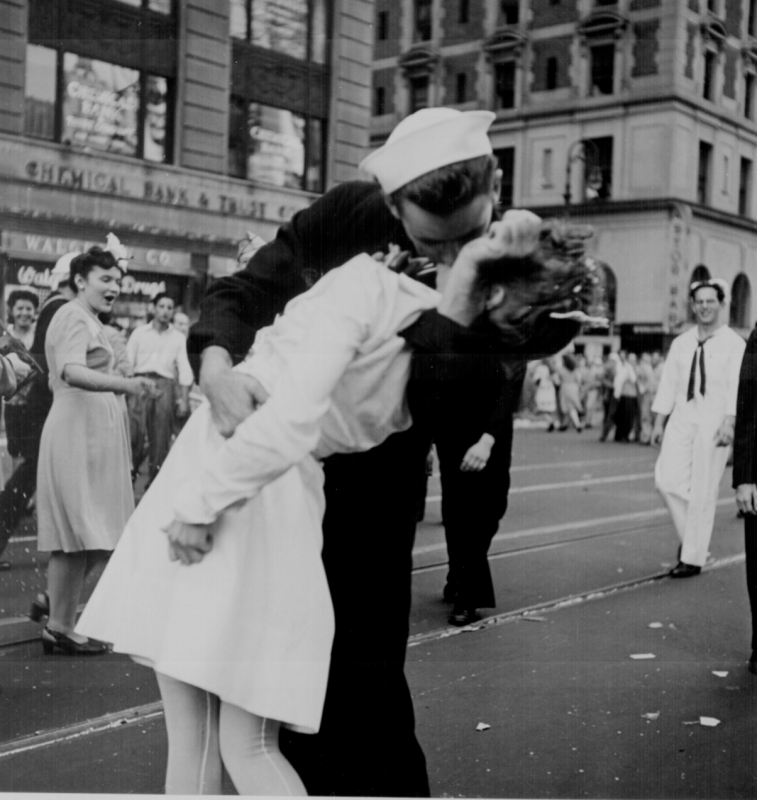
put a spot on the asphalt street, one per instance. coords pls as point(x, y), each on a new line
point(595, 676)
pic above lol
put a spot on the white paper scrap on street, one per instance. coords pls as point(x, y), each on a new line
point(709, 722)
point(642, 656)
point(720, 673)
point(482, 726)
point(655, 624)
point(651, 715)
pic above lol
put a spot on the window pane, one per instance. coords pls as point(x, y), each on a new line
point(237, 138)
point(281, 25)
point(418, 94)
point(100, 104)
point(319, 32)
point(276, 146)
point(238, 19)
point(137, 3)
point(156, 119)
point(163, 6)
point(314, 182)
point(39, 103)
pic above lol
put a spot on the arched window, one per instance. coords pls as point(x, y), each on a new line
point(700, 273)
point(741, 302)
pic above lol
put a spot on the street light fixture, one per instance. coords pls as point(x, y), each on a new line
point(587, 151)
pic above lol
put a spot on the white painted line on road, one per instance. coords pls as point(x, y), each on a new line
point(573, 464)
point(570, 526)
point(545, 487)
point(563, 602)
point(68, 732)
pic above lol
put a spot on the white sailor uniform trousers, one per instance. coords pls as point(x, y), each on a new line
point(690, 466)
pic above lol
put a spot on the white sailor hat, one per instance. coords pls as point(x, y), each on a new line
point(63, 264)
point(427, 140)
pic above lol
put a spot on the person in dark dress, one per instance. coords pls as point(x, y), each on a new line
point(20, 488)
point(428, 201)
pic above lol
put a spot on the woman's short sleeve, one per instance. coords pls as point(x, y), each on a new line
point(68, 339)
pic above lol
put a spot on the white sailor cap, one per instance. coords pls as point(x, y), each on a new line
point(427, 140)
point(63, 264)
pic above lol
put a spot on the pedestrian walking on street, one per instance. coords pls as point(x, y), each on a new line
point(158, 351)
point(745, 475)
point(20, 488)
point(609, 401)
point(546, 394)
point(84, 494)
point(570, 392)
point(697, 396)
point(245, 514)
point(626, 397)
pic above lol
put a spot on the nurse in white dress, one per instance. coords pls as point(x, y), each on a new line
point(698, 389)
point(240, 640)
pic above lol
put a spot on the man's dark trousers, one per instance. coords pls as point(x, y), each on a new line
point(367, 745)
point(750, 547)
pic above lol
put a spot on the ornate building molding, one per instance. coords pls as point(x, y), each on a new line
point(603, 25)
point(505, 42)
point(419, 60)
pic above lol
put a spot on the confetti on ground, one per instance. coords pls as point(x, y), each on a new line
point(719, 673)
point(709, 722)
point(655, 625)
point(651, 715)
point(532, 618)
point(640, 656)
point(482, 726)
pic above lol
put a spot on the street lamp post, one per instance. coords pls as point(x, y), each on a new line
point(587, 151)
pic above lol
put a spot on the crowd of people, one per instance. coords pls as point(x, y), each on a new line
point(234, 578)
point(610, 392)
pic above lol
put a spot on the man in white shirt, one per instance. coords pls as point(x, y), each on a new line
point(697, 390)
point(158, 351)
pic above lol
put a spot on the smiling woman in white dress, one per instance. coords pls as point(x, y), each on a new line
point(240, 640)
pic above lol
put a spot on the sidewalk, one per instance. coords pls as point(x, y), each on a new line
point(571, 714)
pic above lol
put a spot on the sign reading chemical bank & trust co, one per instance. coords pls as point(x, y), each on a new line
point(140, 184)
point(165, 192)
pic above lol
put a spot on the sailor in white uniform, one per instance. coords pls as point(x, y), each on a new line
point(698, 392)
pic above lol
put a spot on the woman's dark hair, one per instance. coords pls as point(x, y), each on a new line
point(22, 294)
point(447, 189)
point(94, 257)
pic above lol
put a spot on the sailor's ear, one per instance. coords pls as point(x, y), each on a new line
point(495, 296)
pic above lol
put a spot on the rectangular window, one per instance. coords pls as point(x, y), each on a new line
point(275, 146)
point(418, 93)
point(749, 95)
point(752, 19)
point(598, 169)
point(726, 174)
point(708, 85)
point(703, 173)
point(383, 26)
point(506, 162)
point(510, 11)
point(712, 6)
point(422, 20)
point(463, 12)
point(546, 168)
point(297, 28)
point(745, 186)
point(461, 87)
point(602, 69)
point(379, 105)
point(551, 80)
point(162, 6)
point(39, 101)
point(504, 84)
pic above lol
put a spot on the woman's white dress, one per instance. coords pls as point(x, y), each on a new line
point(253, 622)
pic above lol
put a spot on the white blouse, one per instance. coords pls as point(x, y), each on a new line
point(336, 371)
point(722, 361)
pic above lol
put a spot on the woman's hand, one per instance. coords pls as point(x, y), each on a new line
point(400, 261)
point(477, 456)
point(188, 543)
point(141, 387)
point(724, 434)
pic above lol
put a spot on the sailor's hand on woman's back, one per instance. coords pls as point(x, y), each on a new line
point(232, 395)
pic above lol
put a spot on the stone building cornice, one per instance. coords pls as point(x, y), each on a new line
point(506, 41)
point(602, 24)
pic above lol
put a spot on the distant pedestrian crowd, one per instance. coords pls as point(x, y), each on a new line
point(614, 392)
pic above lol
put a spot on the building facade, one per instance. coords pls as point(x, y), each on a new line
point(636, 116)
point(177, 124)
